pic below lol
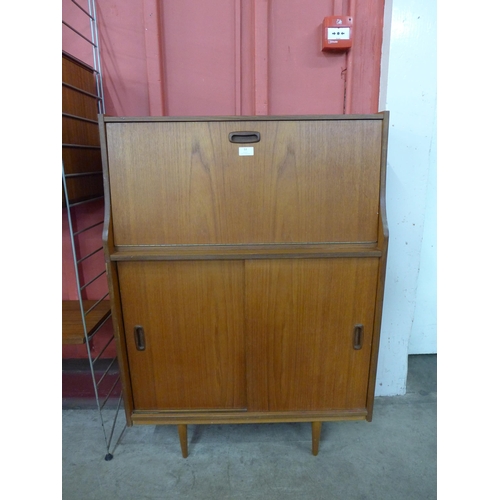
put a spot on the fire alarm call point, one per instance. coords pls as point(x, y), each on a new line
point(337, 33)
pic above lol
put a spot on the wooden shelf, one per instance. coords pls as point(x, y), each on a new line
point(262, 251)
point(72, 327)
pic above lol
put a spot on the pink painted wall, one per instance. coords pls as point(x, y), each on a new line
point(227, 57)
point(232, 57)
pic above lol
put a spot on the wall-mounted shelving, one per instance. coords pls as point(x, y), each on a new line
point(86, 318)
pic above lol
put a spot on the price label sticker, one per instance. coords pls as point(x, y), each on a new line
point(246, 151)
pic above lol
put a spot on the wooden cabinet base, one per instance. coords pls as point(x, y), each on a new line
point(183, 438)
point(181, 419)
point(242, 417)
point(182, 430)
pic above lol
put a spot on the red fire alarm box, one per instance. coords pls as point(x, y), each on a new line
point(337, 33)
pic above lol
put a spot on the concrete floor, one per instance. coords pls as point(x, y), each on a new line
point(391, 458)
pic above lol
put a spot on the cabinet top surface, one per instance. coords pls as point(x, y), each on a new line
point(128, 119)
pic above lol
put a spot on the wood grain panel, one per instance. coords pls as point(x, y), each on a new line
point(300, 320)
point(83, 188)
point(77, 74)
point(185, 183)
point(77, 160)
point(193, 316)
point(76, 103)
point(79, 132)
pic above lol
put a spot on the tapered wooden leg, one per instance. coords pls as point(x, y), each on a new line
point(183, 438)
point(316, 433)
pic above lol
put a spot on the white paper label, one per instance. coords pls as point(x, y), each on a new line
point(246, 151)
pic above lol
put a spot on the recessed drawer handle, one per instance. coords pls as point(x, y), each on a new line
point(357, 338)
point(244, 137)
point(140, 340)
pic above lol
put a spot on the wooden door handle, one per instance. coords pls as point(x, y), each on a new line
point(244, 137)
point(140, 340)
point(357, 337)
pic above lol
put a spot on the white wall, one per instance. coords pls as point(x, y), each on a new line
point(408, 91)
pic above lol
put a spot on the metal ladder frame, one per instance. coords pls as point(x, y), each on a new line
point(108, 438)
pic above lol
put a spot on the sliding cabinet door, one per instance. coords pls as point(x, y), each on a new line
point(309, 333)
point(184, 329)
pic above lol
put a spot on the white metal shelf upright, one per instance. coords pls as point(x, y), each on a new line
point(102, 386)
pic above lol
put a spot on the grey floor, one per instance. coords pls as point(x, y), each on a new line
point(393, 457)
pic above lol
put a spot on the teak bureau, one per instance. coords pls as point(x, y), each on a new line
point(246, 259)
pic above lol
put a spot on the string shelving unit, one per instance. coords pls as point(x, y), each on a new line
point(86, 319)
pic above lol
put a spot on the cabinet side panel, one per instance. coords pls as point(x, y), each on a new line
point(301, 316)
point(303, 181)
point(191, 315)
